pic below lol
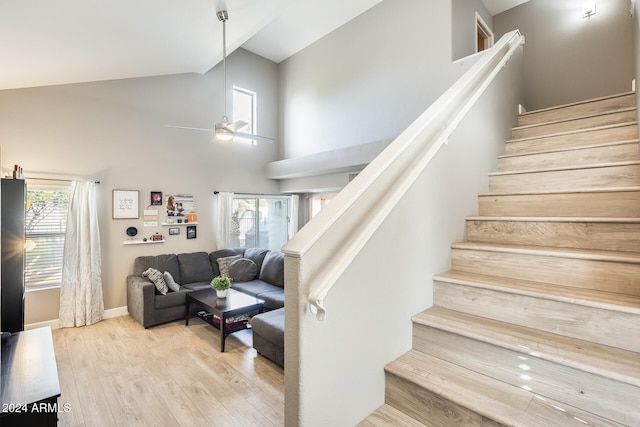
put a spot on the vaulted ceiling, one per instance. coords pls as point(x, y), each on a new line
point(44, 42)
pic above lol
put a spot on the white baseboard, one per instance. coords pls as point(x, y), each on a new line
point(55, 323)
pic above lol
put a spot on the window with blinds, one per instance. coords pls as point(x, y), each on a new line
point(46, 219)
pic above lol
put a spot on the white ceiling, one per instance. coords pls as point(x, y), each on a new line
point(44, 42)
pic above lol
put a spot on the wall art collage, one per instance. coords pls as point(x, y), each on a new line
point(174, 211)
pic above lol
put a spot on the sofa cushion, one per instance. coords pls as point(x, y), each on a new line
point(243, 270)
point(273, 300)
point(256, 255)
point(222, 253)
point(157, 278)
point(254, 287)
point(272, 270)
point(168, 278)
point(172, 299)
point(224, 263)
point(168, 262)
point(195, 267)
point(270, 325)
point(196, 286)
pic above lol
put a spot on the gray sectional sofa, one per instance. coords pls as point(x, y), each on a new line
point(258, 272)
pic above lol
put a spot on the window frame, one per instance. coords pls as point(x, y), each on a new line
point(253, 122)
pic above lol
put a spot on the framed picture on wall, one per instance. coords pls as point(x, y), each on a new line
point(179, 205)
point(174, 230)
point(191, 232)
point(125, 204)
point(156, 198)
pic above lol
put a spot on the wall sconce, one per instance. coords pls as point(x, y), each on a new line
point(588, 10)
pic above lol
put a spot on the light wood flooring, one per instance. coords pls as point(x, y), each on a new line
point(117, 373)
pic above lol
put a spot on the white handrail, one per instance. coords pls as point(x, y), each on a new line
point(361, 207)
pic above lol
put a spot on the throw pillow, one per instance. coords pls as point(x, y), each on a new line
point(242, 270)
point(223, 264)
point(157, 278)
point(168, 278)
point(272, 270)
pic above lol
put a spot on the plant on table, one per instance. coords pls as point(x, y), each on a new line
point(221, 284)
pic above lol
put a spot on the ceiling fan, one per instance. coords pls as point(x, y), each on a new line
point(224, 130)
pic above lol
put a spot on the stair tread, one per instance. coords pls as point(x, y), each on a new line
point(572, 132)
point(581, 296)
point(582, 117)
point(573, 104)
point(577, 190)
point(489, 397)
point(632, 220)
point(567, 168)
point(621, 365)
point(568, 149)
point(599, 255)
point(388, 416)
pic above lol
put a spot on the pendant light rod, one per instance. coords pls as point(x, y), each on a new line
point(223, 16)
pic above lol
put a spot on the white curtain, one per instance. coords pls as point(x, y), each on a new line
point(293, 223)
point(81, 299)
point(224, 205)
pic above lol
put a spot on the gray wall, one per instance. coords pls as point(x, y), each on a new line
point(569, 58)
point(113, 131)
point(463, 33)
point(365, 82)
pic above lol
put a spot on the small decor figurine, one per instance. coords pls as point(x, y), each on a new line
point(221, 284)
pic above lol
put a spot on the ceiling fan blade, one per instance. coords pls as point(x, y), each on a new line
point(189, 128)
point(253, 137)
point(236, 126)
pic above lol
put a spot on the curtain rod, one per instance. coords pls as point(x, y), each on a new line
point(56, 179)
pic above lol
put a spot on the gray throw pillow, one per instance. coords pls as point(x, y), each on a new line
point(168, 278)
point(157, 278)
point(242, 270)
point(273, 269)
point(223, 264)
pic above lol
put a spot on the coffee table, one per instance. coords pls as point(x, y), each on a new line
point(236, 304)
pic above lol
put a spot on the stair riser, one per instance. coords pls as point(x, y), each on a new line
point(615, 277)
point(574, 179)
point(609, 236)
point(582, 123)
point(588, 156)
point(578, 110)
point(606, 397)
point(573, 140)
point(615, 204)
point(428, 407)
point(613, 328)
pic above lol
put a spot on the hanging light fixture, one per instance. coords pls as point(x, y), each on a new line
point(222, 130)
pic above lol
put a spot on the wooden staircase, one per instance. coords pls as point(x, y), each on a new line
point(538, 321)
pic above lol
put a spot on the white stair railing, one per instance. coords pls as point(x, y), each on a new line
point(329, 243)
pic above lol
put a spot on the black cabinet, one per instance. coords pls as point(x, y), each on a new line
point(12, 239)
point(30, 385)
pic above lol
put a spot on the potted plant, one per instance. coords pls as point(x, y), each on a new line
point(221, 284)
